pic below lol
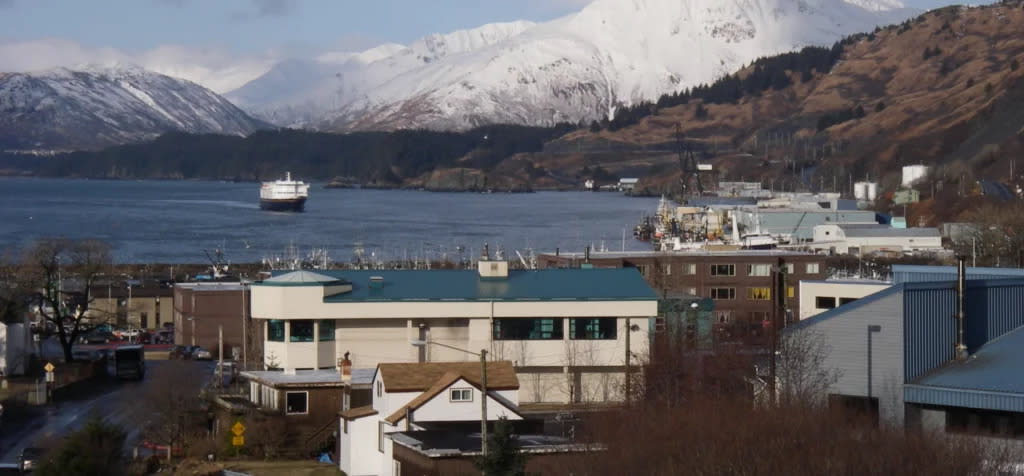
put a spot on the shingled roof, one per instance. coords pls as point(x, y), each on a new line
point(420, 377)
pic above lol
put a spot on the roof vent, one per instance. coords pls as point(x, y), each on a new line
point(376, 282)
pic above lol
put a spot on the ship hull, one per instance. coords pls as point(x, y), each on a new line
point(284, 205)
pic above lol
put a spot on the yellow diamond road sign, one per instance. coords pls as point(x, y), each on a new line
point(49, 367)
point(238, 429)
point(237, 440)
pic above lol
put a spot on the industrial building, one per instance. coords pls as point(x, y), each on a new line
point(797, 225)
point(739, 283)
point(818, 296)
point(134, 304)
point(904, 354)
point(566, 330)
point(859, 239)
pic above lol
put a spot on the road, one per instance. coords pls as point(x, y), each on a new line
point(116, 402)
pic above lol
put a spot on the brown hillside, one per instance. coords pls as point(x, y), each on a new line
point(961, 108)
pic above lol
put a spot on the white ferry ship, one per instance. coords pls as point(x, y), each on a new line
point(284, 195)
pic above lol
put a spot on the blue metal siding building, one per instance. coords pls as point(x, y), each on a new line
point(904, 273)
point(989, 380)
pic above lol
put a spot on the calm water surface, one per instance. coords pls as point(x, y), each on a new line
point(173, 222)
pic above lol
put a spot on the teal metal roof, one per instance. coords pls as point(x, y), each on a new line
point(989, 378)
point(622, 284)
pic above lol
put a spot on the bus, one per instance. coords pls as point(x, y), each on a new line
point(130, 362)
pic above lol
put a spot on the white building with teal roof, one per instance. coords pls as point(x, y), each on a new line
point(566, 330)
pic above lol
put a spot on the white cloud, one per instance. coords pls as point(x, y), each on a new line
point(216, 68)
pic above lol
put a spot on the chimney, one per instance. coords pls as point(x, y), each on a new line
point(345, 366)
point(961, 307)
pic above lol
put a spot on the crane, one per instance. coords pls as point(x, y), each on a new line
point(688, 167)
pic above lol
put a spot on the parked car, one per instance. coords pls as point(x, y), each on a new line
point(30, 459)
point(96, 337)
point(201, 354)
point(180, 352)
point(12, 469)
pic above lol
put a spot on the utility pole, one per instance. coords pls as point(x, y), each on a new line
point(628, 376)
point(245, 330)
point(220, 355)
point(483, 402)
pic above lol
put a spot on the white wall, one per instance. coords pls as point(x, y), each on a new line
point(811, 290)
point(358, 449)
point(845, 342)
point(440, 408)
point(15, 344)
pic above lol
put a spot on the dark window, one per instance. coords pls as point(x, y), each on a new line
point(597, 328)
point(275, 330)
point(327, 329)
point(302, 331)
point(825, 302)
point(528, 329)
point(723, 293)
point(723, 270)
point(984, 422)
point(296, 402)
point(845, 301)
point(145, 320)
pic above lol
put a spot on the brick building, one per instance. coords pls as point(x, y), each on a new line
point(740, 283)
point(199, 310)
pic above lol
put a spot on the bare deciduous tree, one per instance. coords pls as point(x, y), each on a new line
point(51, 265)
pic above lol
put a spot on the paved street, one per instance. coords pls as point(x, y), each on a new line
point(115, 401)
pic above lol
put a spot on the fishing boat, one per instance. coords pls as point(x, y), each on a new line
point(284, 195)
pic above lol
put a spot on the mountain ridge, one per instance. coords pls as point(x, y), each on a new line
point(91, 107)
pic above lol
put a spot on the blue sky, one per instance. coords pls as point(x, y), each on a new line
point(224, 43)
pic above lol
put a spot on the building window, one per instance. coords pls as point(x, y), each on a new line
point(759, 294)
point(723, 293)
point(344, 425)
point(984, 422)
point(380, 437)
point(668, 270)
point(461, 395)
point(595, 329)
point(689, 268)
point(692, 291)
point(326, 330)
point(791, 291)
point(642, 268)
point(844, 301)
point(296, 403)
point(302, 331)
point(813, 268)
point(759, 270)
point(275, 330)
point(723, 270)
point(825, 302)
point(790, 268)
point(380, 388)
point(528, 329)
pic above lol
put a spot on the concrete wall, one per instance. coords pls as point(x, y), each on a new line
point(844, 340)
point(811, 290)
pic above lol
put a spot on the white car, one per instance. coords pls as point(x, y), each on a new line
point(202, 354)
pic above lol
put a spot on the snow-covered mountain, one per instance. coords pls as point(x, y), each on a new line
point(577, 67)
point(95, 107)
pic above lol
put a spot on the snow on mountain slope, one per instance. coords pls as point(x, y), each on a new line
point(95, 107)
point(581, 66)
point(298, 92)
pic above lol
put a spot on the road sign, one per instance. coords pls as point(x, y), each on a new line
point(49, 367)
point(238, 429)
point(237, 440)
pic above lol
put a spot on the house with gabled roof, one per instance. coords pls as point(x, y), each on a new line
point(411, 397)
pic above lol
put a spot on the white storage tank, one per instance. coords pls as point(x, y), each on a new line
point(860, 190)
point(872, 191)
point(913, 173)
